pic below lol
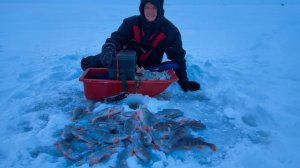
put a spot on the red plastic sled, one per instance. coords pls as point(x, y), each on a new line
point(99, 89)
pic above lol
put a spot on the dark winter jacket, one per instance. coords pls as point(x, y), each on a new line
point(151, 39)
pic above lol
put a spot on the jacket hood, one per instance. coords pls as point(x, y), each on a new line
point(159, 5)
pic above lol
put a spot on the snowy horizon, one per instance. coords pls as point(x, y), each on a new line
point(245, 55)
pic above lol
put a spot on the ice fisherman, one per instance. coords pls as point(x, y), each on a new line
point(151, 35)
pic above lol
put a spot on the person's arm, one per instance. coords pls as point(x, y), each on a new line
point(116, 41)
point(122, 35)
point(176, 53)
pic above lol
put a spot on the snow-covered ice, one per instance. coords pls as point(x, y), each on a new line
point(244, 54)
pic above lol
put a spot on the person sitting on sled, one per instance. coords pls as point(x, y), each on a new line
point(151, 35)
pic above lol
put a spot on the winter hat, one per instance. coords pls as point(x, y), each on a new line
point(158, 3)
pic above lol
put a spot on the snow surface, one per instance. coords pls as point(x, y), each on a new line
point(244, 54)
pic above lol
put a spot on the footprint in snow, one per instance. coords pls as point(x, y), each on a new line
point(259, 137)
point(24, 126)
point(250, 120)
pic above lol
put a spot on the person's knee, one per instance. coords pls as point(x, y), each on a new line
point(84, 64)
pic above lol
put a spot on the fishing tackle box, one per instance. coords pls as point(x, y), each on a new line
point(125, 64)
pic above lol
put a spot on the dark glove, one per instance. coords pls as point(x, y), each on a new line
point(189, 85)
point(107, 54)
point(91, 62)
